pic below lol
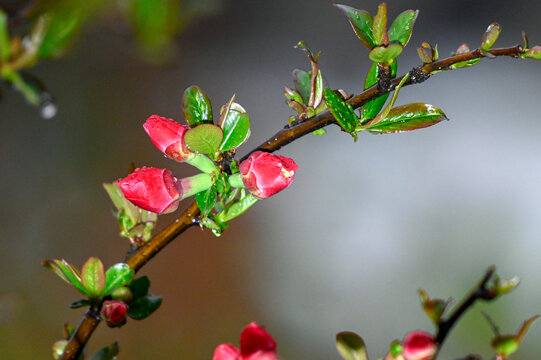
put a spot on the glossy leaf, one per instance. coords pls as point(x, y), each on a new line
point(117, 275)
point(385, 55)
point(301, 79)
point(407, 117)
point(465, 64)
point(107, 353)
point(237, 208)
point(424, 56)
point(402, 27)
point(66, 272)
point(342, 111)
point(351, 346)
point(490, 36)
point(79, 304)
point(196, 107)
point(205, 138)
point(362, 23)
point(144, 306)
point(206, 200)
point(379, 27)
point(211, 224)
point(93, 277)
point(5, 44)
point(139, 287)
point(372, 108)
point(318, 89)
point(236, 130)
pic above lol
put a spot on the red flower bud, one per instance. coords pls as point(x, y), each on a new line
point(255, 344)
point(168, 136)
point(152, 189)
point(264, 174)
point(114, 313)
point(419, 345)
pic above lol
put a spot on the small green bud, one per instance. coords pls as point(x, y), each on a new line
point(58, 348)
point(533, 53)
point(122, 293)
point(490, 36)
point(505, 345)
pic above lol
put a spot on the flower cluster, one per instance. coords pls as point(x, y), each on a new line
point(255, 344)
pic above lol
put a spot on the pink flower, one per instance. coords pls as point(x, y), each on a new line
point(168, 136)
point(114, 313)
point(152, 189)
point(255, 344)
point(264, 174)
point(419, 345)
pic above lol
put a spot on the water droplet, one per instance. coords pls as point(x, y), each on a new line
point(48, 110)
point(217, 233)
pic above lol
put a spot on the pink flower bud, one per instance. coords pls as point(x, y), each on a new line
point(114, 313)
point(419, 345)
point(264, 174)
point(255, 344)
point(152, 189)
point(168, 136)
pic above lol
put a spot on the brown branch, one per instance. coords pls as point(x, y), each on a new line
point(280, 139)
point(481, 292)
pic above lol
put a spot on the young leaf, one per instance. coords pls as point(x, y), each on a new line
point(107, 353)
point(407, 117)
point(139, 287)
point(79, 303)
point(236, 130)
point(379, 27)
point(66, 272)
point(204, 138)
point(93, 277)
point(5, 45)
point(402, 27)
point(293, 95)
point(386, 55)
point(301, 79)
point(237, 208)
point(342, 111)
point(206, 200)
point(362, 23)
point(117, 275)
point(351, 346)
point(144, 306)
point(196, 107)
point(372, 108)
point(533, 53)
point(318, 90)
point(490, 36)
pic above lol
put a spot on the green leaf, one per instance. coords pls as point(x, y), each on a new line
point(407, 117)
point(139, 287)
point(236, 129)
point(212, 225)
point(301, 79)
point(79, 303)
point(533, 53)
point(465, 64)
point(237, 208)
point(386, 55)
point(490, 36)
point(117, 275)
point(107, 353)
point(64, 23)
point(144, 306)
point(319, 132)
point(351, 346)
point(205, 138)
point(318, 90)
point(342, 111)
point(293, 95)
point(362, 22)
point(402, 27)
point(5, 44)
point(206, 200)
point(372, 108)
point(379, 28)
point(66, 272)
point(93, 277)
point(196, 107)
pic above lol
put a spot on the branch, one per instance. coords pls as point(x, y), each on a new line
point(481, 292)
point(275, 142)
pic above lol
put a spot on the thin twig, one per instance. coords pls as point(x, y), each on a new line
point(281, 138)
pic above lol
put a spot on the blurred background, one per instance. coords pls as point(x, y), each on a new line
point(346, 247)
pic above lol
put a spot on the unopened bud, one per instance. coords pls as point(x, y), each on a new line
point(114, 313)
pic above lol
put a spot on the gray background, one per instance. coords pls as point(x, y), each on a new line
point(363, 226)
